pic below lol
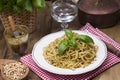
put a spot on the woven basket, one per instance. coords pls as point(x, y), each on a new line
point(25, 18)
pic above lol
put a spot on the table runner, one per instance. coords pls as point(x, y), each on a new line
point(109, 61)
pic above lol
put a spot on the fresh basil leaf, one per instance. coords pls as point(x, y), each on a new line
point(63, 45)
point(40, 4)
point(73, 43)
point(43, 3)
point(28, 5)
point(20, 2)
point(17, 9)
point(1, 6)
point(86, 39)
point(68, 33)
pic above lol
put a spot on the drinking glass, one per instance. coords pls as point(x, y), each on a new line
point(17, 45)
point(64, 11)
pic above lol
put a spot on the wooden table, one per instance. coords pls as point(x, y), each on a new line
point(46, 25)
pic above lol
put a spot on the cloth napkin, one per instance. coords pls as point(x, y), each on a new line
point(109, 62)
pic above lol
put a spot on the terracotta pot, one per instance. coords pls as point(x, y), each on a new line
point(100, 13)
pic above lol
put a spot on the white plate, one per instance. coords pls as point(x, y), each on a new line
point(37, 54)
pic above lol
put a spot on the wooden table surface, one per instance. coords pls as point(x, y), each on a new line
point(46, 25)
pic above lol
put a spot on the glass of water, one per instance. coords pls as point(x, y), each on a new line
point(64, 11)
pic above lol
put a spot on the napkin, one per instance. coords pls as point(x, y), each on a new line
point(109, 61)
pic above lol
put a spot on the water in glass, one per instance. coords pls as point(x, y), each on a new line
point(63, 12)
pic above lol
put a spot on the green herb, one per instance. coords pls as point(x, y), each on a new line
point(19, 6)
point(71, 41)
point(1, 5)
point(69, 33)
point(63, 46)
point(85, 39)
point(17, 9)
point(20, 2)
point(28, 5)
point(39, 4)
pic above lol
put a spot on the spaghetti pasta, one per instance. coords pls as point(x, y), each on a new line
point(82, 56)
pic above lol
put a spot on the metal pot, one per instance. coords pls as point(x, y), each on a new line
point(100, 13)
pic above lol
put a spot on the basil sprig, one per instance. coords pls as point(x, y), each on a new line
point(19, 6)
point(63, 46)
point(85, 39)
point(69, 33)
point(71, 41)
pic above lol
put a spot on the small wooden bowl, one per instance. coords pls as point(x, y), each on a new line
point(13, 61)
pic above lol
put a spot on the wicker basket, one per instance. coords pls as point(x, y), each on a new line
point(26, 18)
